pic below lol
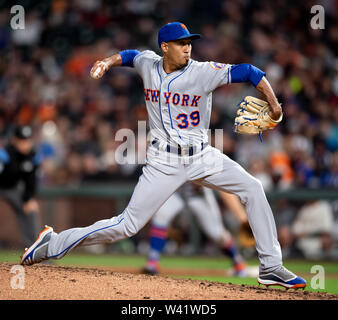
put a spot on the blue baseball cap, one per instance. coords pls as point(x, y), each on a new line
point(175, 31)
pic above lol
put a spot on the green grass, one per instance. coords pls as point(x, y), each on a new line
point(78, 258)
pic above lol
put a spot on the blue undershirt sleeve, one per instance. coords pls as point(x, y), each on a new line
point(128, 57)
point(246, 73)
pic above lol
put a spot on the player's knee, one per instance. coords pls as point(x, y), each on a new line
point(253, 189)
point(254, 186)
point(130, 229)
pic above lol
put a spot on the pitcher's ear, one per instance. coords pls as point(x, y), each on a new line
point(164, 47)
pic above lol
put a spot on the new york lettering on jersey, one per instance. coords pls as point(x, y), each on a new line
point(176, 98)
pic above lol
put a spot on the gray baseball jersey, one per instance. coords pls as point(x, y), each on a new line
point(179, 103)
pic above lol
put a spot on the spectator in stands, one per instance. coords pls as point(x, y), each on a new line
point(313, 229)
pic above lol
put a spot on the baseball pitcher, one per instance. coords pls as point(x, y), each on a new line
point(178, 96)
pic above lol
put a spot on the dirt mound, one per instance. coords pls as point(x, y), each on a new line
point(62, 283)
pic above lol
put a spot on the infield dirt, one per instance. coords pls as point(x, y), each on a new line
point(48, 282)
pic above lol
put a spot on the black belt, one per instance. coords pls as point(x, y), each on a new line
point(181, 151)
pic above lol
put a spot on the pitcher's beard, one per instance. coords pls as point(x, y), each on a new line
point(184, 64)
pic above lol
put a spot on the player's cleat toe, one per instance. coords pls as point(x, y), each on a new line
point(281, 277)
point(37, 252)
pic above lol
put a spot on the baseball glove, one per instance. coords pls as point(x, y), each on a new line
point(253, 116)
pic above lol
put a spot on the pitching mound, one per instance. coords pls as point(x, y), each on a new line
point(50, 282)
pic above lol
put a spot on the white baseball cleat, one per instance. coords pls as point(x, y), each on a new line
point(281, 277)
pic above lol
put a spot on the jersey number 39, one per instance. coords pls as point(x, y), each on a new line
point(184, 119)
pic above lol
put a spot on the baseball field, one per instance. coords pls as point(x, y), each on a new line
point(118, 277)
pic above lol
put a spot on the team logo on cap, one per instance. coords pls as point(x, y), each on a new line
point(217, 65)
point(183, 26)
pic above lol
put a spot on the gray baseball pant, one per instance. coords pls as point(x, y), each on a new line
point(161, 177)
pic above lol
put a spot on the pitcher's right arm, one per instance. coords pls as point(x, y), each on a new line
point(123, 58)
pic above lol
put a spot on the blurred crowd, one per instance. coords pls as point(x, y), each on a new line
point(44, 82)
